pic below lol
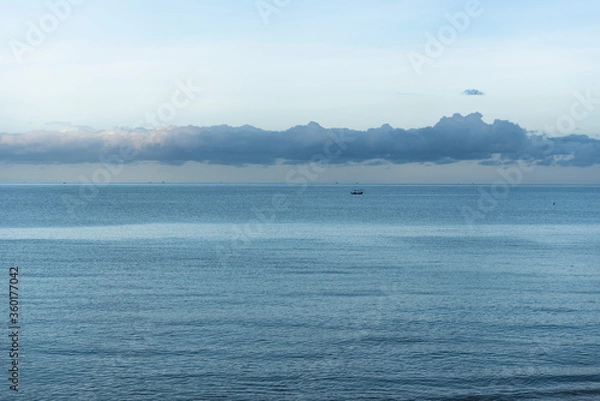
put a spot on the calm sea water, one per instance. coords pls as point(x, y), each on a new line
point(232, 292)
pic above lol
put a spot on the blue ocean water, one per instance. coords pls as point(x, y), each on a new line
point(275, 292)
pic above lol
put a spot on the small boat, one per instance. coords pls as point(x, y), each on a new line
point(356, 192)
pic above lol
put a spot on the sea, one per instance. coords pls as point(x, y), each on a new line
point(301, 292)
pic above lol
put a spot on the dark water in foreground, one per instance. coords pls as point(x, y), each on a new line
point(197, 292)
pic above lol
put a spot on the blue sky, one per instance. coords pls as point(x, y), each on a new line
point(108, 64)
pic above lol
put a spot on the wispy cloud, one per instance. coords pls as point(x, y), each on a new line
point(452, 139)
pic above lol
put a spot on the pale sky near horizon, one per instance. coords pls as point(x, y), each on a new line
point(106, 64)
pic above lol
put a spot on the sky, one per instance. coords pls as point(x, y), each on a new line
point(252, 90)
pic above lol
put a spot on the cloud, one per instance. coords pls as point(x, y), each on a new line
point(473, 92)
point(66, 125)
point(452, 139)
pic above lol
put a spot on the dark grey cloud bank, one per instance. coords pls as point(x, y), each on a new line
point(452, 139)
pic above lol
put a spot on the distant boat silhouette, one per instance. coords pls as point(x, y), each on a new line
point(356, 192)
